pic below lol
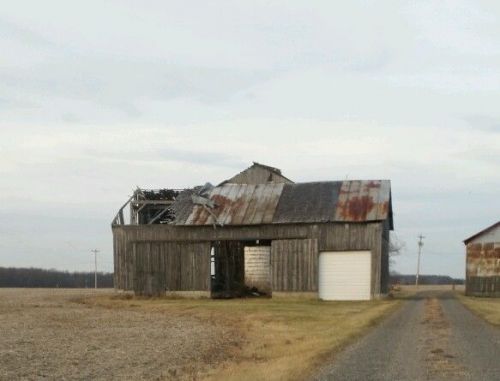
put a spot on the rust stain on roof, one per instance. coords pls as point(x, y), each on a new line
point(239, 204)
point(277, 203)
point(363, 201)
point(356, 208)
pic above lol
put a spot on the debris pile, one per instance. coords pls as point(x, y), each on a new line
point(160, 194)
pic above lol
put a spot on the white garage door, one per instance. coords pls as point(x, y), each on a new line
point(344, 275)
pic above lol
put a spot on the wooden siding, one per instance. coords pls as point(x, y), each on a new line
point(257, 174)
point(329, 236)
point(294, 265)
point(385, 260)
point(156, 267)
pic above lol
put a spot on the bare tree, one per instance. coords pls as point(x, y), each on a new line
point(396, 247)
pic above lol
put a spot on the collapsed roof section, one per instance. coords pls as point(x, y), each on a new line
point(159, 206)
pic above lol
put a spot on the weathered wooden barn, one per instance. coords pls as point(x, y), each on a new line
point(257, 233)
point(482, 275)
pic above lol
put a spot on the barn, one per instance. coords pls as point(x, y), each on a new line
point(258, 233)
point(482, 275)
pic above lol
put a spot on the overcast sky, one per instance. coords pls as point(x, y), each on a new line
point(97, 97)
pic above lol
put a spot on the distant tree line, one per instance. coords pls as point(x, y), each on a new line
point(34, 277)
point(425, 279)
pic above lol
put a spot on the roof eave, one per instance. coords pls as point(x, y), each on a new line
point(491, 227)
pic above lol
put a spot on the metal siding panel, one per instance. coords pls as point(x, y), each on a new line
point(306, 202)
point(253, 205)
point(193, 216)
point(219, 197)
point(383, 200)
point(225, 202)
point(342, 201)
point(347, 201)
point(361, 201)
point(261, 204)
point(273, 203)
point(371, 190)
point(240, 204)
point(244, 200)
point(483, 268)
point(491, 234)
point(183, 207)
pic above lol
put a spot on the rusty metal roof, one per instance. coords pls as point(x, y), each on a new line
point(238, 204)
point(273, 203)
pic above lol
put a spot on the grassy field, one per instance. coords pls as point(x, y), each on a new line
point(412, 289)
point(80, 334)
point(487, 308)
point(283, 339)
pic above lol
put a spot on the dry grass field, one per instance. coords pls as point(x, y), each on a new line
point(440, 287)
point(84, 334)
point(487, 308)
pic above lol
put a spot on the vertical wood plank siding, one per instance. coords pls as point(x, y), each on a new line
point(384, 273)
point(294, 265)
point(328, 236)
point(156, 267)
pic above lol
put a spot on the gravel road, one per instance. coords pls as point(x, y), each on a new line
point(432, 337)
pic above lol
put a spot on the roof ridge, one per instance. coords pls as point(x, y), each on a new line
point(273, 169)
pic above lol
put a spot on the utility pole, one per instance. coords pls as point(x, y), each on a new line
point(95, 251)
point(420, 244)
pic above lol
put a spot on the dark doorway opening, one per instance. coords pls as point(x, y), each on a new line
point(228, 270)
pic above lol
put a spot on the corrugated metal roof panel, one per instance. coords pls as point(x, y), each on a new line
point(363, 201)
point(278, 203)
point(307, 202)
point(273, 203)
point(183, 206)
point(238, 204)
point(240, 213)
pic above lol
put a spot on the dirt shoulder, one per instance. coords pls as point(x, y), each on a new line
point(77, 334)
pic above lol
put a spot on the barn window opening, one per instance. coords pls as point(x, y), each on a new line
point(240, 269)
